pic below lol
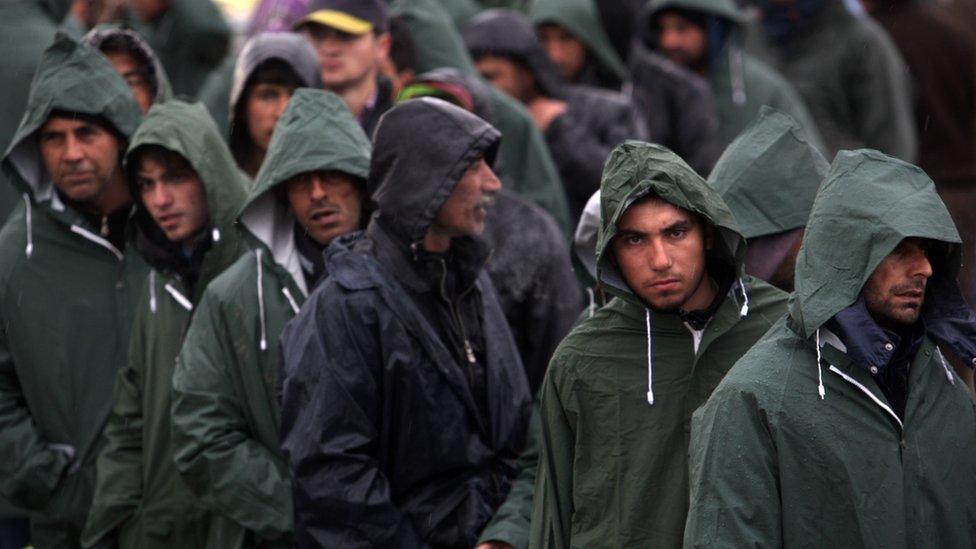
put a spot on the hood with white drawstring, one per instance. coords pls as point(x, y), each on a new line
point(819, 452)
point(628, 378)
point(741, 84)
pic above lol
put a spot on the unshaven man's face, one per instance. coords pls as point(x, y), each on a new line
point(174, 196)
point(81, 157)
point(326, 204)
point(566, 51)
point(660, 250)
point(681, 41)
point(507, 76)
point(895, 292)
point(465, 211)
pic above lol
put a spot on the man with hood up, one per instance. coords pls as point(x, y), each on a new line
point(849, 427)
point(310, 190)
point(187, 191)
point(68, 287)
point(135, 61)
point(404, 403)
point(848, 72)
point(29, 28)
point(581, 123)
point(575, 40)
point(269, 69)
point(622, 386)
point(704, 36)
point(768, 177)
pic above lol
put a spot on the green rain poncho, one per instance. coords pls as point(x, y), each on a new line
point(617, 400)
point(140, 499)
point(741, 84)
point(67, 298)
point(798, 446)
point(225, 414)
point(525, 165)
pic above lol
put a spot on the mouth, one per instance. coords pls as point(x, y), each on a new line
point(78, 178)
point(169, 221)
point(665, 285)
point(325, 218)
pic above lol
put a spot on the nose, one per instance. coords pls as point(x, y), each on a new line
point(318, 189)
point(72, 149)
point(658, 257)
point(491, 184)
point(159, 196)
point(921, 266)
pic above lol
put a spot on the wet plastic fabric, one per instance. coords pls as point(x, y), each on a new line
point(792, 450)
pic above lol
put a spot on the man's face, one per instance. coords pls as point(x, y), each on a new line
point(507, 76)
point(660, 250)
point(265, 103)
point(81, 157)
point(681, 41)
point(568, 53)
point(326, 204)
point(174, 196)
point(895, 292)
point(465, 211)
point(134, 75)
point(347, 60)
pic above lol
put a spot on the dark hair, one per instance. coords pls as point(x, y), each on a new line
point(120, 43)
point(402, 49)
point(171, 161)
point(271, 71)
point(95, 119)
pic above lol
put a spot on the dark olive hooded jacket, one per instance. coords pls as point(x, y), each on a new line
point(404, 403)
point(140, 499)
point(67, 298)
point(617, 400)
point(225, 412)
point(798, 446)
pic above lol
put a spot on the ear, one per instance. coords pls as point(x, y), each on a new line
point(383, 44)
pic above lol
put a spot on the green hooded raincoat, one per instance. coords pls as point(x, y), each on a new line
point(140, 499)
point(225, 413)
point(621, 388)
point(67, 298)
point(795, 451)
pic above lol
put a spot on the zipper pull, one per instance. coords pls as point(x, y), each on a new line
point(469, 352)
point(104, 229)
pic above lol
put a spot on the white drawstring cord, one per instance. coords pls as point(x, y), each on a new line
point(216, 235)
point(650, 368)
point(30, 230)
point(745, 300)
point(152, 291)
point(264, 335)
point(945, 366)
point(820, 386)
point(736, 71)
point(592, 307)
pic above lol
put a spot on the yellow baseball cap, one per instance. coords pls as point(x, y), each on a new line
point(356, 17)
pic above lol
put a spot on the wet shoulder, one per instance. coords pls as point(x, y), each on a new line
point(602, 340)
point(240, 278)
point(767, 303)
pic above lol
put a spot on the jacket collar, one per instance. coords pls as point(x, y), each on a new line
point(869, 345)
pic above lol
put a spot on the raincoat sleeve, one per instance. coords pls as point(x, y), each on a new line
point(734, 498)
point(118, 486)
point(331, 412)
point(30, 468)
point(235, 475)
point(511, 522)
point(552, 507)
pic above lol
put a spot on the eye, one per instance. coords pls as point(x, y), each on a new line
point(677, 232)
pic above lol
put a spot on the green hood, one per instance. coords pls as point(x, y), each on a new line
point(316, 132)
point(460, 11)
point(71, 77)
point(188, 130)
point(636, 169)
point(769, 175)
point(436, 40)
point(57, 8)
point(867, 205)
point(724, 9)
point(139, 48)
point(581, 19)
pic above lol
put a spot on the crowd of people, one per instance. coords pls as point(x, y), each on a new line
point(488, 274)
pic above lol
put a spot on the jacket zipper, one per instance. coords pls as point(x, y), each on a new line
point(468, 351)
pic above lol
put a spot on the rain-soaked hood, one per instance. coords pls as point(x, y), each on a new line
point(507, 33)
point(316, 132)
point(188, 130)
point(581, 19)
point(136, 44)
point(722, 18)
point(71, 77)
point(446, 82)
point(769, 175)
point(413, 177)
point(636, 169)
point(867, 205)
point(435, 37)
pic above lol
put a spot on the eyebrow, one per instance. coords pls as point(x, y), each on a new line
point(679, 224)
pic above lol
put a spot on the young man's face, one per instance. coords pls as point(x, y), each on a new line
point(507, 76)
point(326, 204)
point(347, 60)
point(81, 157)
point(264, 105)
point(681, 41)
point(565, 50)
point(465, 211)
point(660, 250)
point(895, 292)
point(174, 196)
point(134, 75)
